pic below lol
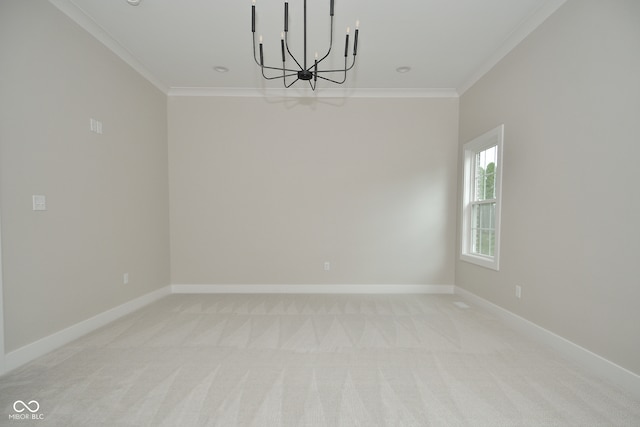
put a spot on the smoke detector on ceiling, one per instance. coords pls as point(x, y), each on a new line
point(133, 2)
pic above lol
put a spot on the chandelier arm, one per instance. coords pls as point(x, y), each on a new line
point(276, 77)
point(255, 58)
point(342, 70)
point(286, 43)
point(280, 69)
point(284, 77)
point(330, 42)
point(287, 86)
point(285, 33)
point(333, 81)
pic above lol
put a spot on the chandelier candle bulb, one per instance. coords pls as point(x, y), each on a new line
point(261, 54)
point(346, 44)
point(253, 16)
point(355, 41)
point(286, 17)
point(282, 47)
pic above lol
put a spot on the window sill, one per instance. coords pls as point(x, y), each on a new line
point(486, 262)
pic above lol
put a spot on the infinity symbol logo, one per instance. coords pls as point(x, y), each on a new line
point(28, 406)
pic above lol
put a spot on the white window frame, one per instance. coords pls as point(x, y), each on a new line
point(494, 137)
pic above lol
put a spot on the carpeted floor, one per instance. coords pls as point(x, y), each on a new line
point(309, 360)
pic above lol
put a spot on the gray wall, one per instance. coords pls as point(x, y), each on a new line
point(569, 97)
point(264, 191)
point(107, 195)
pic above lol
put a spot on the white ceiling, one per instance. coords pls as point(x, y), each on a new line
point(176, 44)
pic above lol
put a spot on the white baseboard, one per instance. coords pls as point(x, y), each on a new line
point(312, 289)
point(43, 346)
point(590, 361)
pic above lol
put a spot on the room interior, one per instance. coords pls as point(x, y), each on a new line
point(219, 189)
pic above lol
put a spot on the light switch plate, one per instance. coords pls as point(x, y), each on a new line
point(39, 203)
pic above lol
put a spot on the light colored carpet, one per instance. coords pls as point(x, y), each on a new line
point(311, 360)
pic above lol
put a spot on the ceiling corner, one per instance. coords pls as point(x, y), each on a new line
point(78, 16)
point(523, 30)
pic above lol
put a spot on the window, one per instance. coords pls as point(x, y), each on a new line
point(481, 204)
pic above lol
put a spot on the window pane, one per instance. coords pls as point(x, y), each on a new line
point(486, 242)
point(485, 169)
point(483, 229)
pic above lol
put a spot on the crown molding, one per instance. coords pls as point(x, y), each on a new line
point(529, 24)
point(76, 14)
point(319, 93)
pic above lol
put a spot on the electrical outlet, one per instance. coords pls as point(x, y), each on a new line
point(518, 291)
point(125, 278)
point(327, 266)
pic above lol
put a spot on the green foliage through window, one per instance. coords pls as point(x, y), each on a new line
point(485, 182)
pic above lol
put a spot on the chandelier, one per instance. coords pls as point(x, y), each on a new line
point(304, 71)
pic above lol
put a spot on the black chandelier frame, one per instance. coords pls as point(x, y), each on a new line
point(303, 72)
